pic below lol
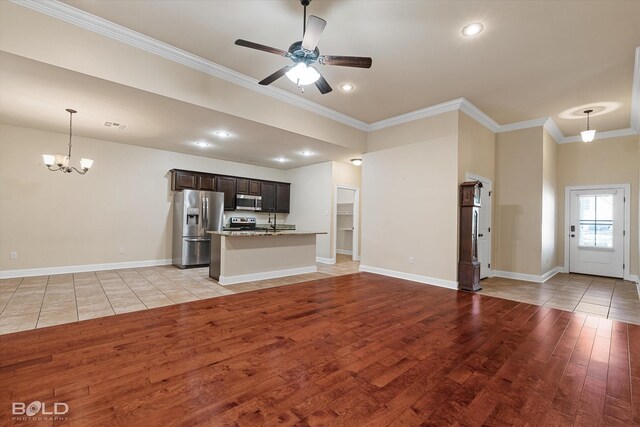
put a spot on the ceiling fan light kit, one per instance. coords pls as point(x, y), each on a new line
point(304, 54)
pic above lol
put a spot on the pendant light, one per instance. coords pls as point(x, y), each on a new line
point(589, 134)
point(62, 161)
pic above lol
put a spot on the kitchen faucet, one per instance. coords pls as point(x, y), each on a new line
point(275, 219)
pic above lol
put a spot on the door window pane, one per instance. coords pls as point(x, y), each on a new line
point(596, 220)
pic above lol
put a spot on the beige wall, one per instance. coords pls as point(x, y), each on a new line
point(412, 167)
point(54, 219)
point(606, 161)
point(477, 155)
point(311, 195)
point(549, 200)
point(519, 201)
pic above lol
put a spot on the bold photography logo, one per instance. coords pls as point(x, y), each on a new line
point(39, 410)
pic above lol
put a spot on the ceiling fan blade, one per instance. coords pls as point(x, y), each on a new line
point(262, 47)
point(346, 61)
point(323, 86)
point(275, 76)
point(315, 27)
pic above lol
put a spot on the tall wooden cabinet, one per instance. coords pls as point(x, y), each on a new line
point(468, 265)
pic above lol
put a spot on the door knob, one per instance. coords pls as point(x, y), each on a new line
point(480, 235)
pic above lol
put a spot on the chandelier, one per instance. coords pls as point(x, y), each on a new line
point(61, 161)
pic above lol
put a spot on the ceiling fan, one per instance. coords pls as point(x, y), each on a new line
point(304, 54)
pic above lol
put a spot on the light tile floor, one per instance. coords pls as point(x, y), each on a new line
point(37, 302)
point(593, 295)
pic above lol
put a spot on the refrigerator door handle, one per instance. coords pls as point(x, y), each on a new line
point(206, 215)
point(196, 240)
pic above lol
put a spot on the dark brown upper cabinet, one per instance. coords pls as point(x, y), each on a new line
point(206, 182)
point(283, 197)
point(255, 187)
point(182, 180)
point(248, 186)
point(227, 185)
point(268, 193)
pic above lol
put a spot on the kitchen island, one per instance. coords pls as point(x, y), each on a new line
point(247, 256)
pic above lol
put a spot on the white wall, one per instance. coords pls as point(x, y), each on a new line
point(311, 195)
point(54, 219)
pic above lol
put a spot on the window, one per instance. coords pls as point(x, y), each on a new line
point(596, 221)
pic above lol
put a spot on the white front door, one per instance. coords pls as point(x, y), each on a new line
point(484, 225)
point(596, 232)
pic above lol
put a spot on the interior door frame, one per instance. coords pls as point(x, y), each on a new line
point(355, 249)
point(627, 221)
point(483, 179)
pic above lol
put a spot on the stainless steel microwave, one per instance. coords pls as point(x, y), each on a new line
point(244, 202)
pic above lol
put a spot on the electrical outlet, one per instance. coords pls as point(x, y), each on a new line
point(14, 255)
point(410, 260)
point(121, 250)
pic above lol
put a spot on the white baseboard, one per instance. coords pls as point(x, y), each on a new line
point(28, 272)
point(325, 260)
point(242, 278)
point(413, 277)
point(529, 277)
point(343, 252)
point(356, 258)
point(634, 278)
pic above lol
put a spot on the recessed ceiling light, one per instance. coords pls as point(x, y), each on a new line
point(201, 144)
point(472, 29)
point(347, 87)
point(222, 133)
point(306, 153)
point(356, 162)
point(281, 159)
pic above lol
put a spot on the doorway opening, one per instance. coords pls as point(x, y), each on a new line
point(597, 230)
point(345, 224)
point(484, 225)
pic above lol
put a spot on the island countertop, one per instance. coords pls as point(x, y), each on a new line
point(250, 233)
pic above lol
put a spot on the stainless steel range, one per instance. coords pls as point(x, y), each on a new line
point(242, 223)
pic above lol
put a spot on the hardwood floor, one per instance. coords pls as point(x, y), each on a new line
point(359, 349)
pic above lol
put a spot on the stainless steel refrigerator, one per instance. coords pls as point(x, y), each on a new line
point(194, 213)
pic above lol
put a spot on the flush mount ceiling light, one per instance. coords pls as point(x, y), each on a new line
point(589, 134)
point(472, 29)
point(347, 87)
point(281, 159)
point(306, 153)
point(222, 133)
point(201, 144)
point(356, 162)
point(62, 161)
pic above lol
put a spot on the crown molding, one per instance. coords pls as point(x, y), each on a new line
point(602, 135)
point(635, 94)
point(474, 112)
point(72, 15)
point(125, 35)
point(553, 129)
point(523, 125)
point(434, 110)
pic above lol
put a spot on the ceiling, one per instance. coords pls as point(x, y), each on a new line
point(35, 94)
point(535, 58)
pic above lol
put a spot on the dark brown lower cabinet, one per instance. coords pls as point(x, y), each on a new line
point(227, 185)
